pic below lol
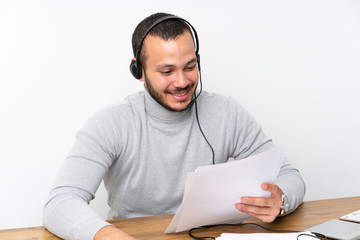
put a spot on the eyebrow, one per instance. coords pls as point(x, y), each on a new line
point(171, 65)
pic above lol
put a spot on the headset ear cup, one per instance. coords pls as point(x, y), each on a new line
point(135, 69)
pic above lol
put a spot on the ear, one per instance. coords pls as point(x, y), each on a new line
point(142, 79)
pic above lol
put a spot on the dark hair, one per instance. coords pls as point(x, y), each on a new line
point(167, 30)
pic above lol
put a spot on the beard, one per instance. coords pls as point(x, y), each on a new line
point(160, 99)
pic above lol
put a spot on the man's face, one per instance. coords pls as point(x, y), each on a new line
point(170, 70)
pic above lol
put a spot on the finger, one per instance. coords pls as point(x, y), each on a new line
point(262, 217)
point(256, 209)
point(273, 188)
point(258, 201)
point(265, 214)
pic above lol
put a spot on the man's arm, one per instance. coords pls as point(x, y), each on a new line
point(112, 233)
point(250, 139)
point(67, 213)
point(69, 216)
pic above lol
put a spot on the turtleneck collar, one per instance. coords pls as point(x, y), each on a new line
point(155, 110)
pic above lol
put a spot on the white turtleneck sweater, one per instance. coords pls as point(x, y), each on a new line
point(144, 152)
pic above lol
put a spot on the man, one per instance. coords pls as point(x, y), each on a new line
point(144, 147)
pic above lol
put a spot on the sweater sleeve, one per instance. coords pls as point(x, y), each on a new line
point(250, 139)
point(292, 184)
point(67, 213)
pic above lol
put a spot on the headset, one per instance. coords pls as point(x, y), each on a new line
point(135, 66)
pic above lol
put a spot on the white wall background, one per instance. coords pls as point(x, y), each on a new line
point(295, 65)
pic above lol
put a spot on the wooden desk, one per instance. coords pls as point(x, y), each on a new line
point(308, 214)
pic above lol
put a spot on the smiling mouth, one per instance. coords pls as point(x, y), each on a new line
point(180, 94)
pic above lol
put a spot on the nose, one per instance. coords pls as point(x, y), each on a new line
point(181, 80)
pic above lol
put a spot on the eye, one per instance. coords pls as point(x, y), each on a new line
point(167, 72)
point(190, 67)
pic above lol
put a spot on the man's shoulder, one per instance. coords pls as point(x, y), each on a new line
point(122, 108)
point(216, 99)
point(221, 105)
point(128, 102)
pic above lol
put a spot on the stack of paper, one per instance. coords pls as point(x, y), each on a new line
point(212, 191)
point(265, 236)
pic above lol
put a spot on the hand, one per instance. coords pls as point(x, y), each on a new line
point(112, 233)
point(265, 209)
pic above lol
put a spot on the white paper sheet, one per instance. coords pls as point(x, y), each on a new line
point(212, 191)
point(265, 236)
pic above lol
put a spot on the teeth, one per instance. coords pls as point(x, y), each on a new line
point(179, 95)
